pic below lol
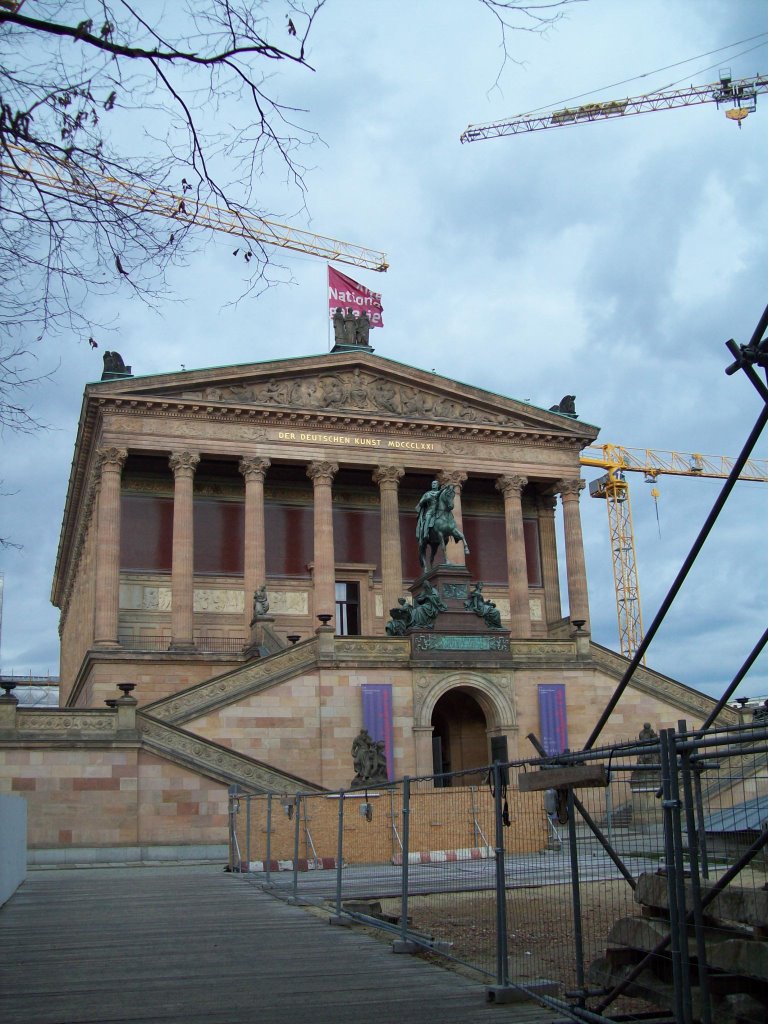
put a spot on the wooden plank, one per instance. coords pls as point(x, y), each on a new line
point(199, 946)
point(570, 777)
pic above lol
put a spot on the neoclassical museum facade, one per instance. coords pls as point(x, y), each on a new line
point(234, 543)
point(189, 491)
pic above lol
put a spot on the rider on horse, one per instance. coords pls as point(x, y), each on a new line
point(436, 523)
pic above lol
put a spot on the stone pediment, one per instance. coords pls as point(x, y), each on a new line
point(350, 387)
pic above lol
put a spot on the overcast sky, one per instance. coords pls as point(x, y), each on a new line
point(611, 261)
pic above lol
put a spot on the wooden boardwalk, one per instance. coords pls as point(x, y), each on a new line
point(193, 945)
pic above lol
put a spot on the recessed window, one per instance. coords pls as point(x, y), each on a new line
point(347, 609)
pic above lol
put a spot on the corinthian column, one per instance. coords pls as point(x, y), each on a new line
point(519, 609)
point(549, 570)
point(183, 465)
point(107, 597)
point(454, 549)
point(321, 474)
point(578, 601)
point(388, 479)
point(254, 470)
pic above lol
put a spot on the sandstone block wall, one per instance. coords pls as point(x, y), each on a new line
point(112, 797)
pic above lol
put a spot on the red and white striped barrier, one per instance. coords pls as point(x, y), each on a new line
point(445, 856)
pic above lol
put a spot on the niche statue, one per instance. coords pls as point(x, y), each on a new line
point(369, 760)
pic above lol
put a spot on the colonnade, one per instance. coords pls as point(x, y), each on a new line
point(322, 472)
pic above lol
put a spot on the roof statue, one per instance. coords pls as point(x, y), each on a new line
point(114, 366)
point(350, 330)
point(566, 406)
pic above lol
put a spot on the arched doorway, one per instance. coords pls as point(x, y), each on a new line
point(459, 737)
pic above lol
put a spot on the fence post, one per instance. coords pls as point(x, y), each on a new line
point(502, 962)
point(700, 821)
point(670, 805)
point(269, 838)
point(339, 857)
point(296, 831)
point(248, 832)
point(404, 944)
point(693, 856)
point(578, 930)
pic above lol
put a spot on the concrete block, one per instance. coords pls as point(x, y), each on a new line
point(13, 844)
point(513, 994)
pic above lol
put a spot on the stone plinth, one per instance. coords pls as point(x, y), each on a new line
point(260, 636)
point(456, 629)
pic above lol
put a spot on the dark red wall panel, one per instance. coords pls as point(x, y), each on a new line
point(218, 537)
point(532, 552)
point(146, 533)
point(357, 537)
point(289, 538)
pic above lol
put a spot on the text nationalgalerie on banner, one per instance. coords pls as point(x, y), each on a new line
point(344, 293)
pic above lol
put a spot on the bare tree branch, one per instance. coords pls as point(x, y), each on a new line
point(523, 16)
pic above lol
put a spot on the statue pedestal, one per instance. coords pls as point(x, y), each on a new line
point(454, 585)
point(457, 629)
point(262, 638)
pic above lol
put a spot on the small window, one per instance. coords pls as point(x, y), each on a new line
point(347, 609)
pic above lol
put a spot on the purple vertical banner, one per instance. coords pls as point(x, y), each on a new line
point(553, 717)
point(377, 719)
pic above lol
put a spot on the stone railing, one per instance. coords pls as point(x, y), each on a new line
point(542, 650)
point(63, 725)
point(257, 675)
point(215, 761)
point(371, 649)
point(658, 685)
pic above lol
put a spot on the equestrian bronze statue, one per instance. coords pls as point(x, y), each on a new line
point(436, 524)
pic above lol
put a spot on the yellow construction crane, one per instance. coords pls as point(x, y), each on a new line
point(65, 178)
point(739, 95)
point(617, 461)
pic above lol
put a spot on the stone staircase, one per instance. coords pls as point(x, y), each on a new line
point(214, 760)
point(253, 677)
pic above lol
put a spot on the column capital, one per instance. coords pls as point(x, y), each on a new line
point(184, 463)
point(511, 486)
point(570, 488)
point(388, 475)
point(455, 477)
point(254, 467)
point(111, 457)
point(322, 472)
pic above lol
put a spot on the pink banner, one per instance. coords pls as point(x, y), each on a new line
point(344, 293)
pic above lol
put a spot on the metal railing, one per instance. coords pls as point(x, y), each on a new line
point(593, 900)
point(204, 644)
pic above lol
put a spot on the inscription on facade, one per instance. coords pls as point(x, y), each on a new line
point(353, 441)
point(461, 643)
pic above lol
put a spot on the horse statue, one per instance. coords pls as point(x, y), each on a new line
point(436, 524)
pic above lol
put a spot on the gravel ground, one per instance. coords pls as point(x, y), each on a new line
point(540, 926)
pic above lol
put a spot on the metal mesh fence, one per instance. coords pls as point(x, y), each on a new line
point(623, 881)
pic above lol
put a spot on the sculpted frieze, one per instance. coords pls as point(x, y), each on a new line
point(289, 602)
point(253, 677)
point(221, 601)
point(354, 391)
point(214, 758)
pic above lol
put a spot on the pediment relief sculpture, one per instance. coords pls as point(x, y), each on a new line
point(355, 391)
